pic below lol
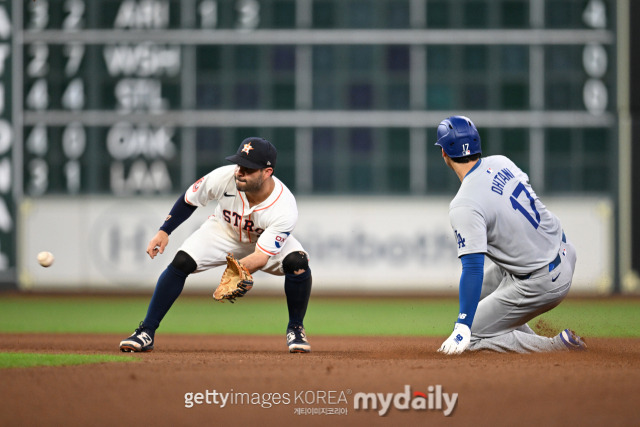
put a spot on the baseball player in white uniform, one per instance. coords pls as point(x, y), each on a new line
point(497, 214)
point(254, 218)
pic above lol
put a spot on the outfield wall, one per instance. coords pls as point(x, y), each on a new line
point(370, 244)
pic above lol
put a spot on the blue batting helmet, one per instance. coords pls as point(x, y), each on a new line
point(458, 137)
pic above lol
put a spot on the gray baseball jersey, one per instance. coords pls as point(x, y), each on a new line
point(496, 212)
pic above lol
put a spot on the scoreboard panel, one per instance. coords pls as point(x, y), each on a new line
point(126, 97)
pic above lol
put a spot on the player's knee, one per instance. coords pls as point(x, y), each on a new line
point(183, 262)
point(295, 263)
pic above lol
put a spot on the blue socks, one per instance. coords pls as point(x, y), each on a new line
point(297, 288)
point(168, 289)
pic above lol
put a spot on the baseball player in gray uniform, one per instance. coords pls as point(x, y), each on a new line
point(497, 214)
point(254, 217)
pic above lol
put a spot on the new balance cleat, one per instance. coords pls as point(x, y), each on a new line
point(297, 340)
point(140, 341)
point(572, 341)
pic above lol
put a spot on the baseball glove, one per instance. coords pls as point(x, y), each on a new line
point(235, 282)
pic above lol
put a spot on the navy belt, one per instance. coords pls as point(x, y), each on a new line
point(556, 262)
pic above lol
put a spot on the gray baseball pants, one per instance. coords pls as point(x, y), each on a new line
point(507, 303)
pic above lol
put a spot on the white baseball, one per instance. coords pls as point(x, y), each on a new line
point(45, 259)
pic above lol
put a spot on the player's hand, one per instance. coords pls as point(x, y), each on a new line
point(458, 341)
point(157, 244)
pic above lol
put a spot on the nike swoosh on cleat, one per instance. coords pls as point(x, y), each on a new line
point(553, 279)
point(228, 195)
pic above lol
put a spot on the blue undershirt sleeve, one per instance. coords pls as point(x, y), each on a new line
point(470, 286)
point(179, 213)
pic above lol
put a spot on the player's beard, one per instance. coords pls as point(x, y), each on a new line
point(249, 186)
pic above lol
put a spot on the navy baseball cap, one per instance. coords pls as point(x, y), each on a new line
point(255, 153)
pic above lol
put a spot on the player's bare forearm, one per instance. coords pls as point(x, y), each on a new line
point(157, 244)
point(255, 261)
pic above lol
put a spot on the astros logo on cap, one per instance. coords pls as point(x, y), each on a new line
point(247, 148)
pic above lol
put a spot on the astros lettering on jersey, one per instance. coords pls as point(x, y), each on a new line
point(267, 224)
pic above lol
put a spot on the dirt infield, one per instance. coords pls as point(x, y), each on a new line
point(597, 387)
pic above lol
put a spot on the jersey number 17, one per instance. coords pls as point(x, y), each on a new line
point(517, 206)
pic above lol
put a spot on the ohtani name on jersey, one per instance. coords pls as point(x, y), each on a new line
point(499, 181)
point(235, 219)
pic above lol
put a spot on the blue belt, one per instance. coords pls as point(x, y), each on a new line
point(552, 265)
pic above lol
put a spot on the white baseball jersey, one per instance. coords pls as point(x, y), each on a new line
point(267, 225)
point(239, 228)
point(496, 212)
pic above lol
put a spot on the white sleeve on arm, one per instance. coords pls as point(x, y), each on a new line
point(209, 187)
point(275, 236)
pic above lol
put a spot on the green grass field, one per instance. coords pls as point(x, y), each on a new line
point(28, 360)
point(191, 314)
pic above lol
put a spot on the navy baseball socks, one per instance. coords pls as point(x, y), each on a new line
point(297, 289)
point(168, 289)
